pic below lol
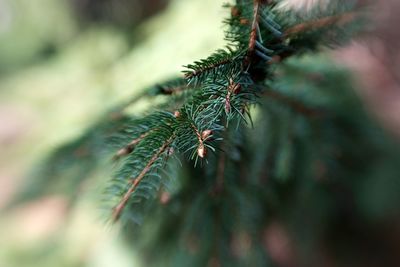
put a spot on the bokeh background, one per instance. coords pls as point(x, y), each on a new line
point(63, 62)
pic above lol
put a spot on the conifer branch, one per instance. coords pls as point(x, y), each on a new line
point(210, 67)
point(122, 204)
point(301, 132)
point(320, 23)
point(222, 61)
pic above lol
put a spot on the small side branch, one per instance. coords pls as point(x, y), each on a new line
point(129, 148)
point(122, 204)
point(309, 26)
point(253, 32)
point(170, 90)
point(195, 73)
point(320, 23)
point(233, 88)
point(201, 149)
point(254, 26)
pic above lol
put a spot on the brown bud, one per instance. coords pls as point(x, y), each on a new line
point(205, 134)
point(177, 114)
point(116, 115)
point(122, 152)
point(235, 12)
point(170, 151)
point(234, 87)
point(201, 151)
point(166, 91)
point(165, 197)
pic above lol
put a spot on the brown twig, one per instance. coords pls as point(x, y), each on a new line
point(312, 25)
point(122, 204)
point(253, 32)
point(129, 147)
point(320, 23)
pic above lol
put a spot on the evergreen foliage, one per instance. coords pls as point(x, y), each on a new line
point(251, 135)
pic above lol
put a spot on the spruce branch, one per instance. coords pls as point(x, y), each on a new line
point(222, 62)
point(194, 122)
point(337, 20)
point(208, 67)
point(122, 204)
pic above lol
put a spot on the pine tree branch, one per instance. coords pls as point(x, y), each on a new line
point(122, 204)
point(309, 26)
point(220, 60)
point(320, 23)
point(208, 68)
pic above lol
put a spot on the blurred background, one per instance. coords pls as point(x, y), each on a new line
point(63, 62)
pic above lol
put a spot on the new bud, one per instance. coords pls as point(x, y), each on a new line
point(201, 151)
point(205, 134)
